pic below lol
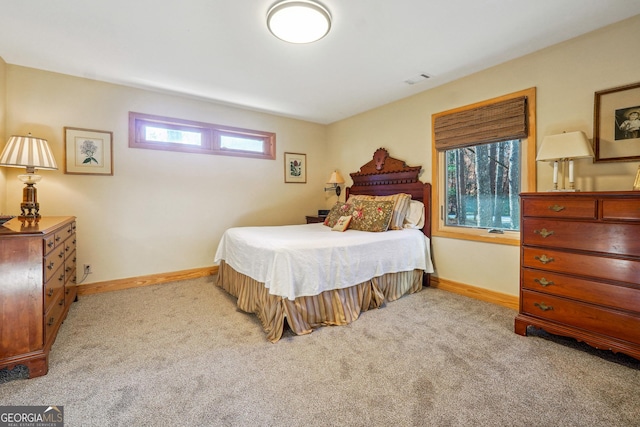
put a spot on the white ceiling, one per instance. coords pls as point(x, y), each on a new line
point(221, 50)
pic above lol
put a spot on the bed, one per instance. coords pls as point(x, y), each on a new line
point(308, 276)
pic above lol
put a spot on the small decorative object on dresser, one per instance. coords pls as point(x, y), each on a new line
point(37, 287)
point(580, 267)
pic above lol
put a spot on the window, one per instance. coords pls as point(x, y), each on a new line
point(484, 156)
point(165, 133)
point(482, 186)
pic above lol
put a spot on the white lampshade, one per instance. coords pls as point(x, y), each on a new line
point(336, 178)
point(302, 21)
point(568, 145)
point(28, 152)
point(564, 148)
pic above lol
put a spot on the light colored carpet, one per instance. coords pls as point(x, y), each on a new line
point(181, 354)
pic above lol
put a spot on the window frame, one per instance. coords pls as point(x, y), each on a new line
point(210, 142)
point(527, 179)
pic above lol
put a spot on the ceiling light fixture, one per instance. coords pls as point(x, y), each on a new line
point(298, 21)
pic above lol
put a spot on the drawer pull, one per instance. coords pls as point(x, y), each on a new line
point(51, 321)
point(58, 238)
point(50, 266)
point(544, 259)
point(556, 208)
point(61, 277)
point(50, 292)
point(544, 232)
point(50, 243)
point(542, 306)
point(61, 302)
point(61, 254)
point(544, 282)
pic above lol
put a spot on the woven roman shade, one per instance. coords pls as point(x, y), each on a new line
point(495, 122)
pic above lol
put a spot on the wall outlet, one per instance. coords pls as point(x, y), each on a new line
point(87, 269)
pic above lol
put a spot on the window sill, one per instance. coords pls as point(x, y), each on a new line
point(508, 238)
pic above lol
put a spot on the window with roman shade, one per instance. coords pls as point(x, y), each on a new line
point(484, 156)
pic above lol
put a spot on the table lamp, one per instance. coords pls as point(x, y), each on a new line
point(30, 153)
point(564, 148)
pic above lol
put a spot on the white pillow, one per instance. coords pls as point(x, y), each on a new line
point(415, 215)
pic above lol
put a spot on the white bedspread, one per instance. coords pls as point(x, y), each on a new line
point(305, 260)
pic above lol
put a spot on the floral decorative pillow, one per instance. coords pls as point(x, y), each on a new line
point(338, 210)
point(400, 206)
point(371, 215)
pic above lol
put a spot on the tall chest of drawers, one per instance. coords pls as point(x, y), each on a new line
point(37, 287)
point(580, 267)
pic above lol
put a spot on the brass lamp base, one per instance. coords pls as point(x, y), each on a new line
point(29, 207)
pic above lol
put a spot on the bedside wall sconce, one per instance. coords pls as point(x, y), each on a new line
point(30, 153)
point(564, 148)
point(335, 180)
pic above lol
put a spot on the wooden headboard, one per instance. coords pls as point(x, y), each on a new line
point(384, 175)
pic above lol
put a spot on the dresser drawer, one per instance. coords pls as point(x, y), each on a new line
point(70, 244)
point(62, 234)
point(70, 263)
point(53, 261)
point(621, 239)
point(49, 243)
point(622, 270)
point(622, 209)
point(53, 317)
point(70, 291)
point(52, 286)
point(583, 316)
point(622, 297)
point(560, 208)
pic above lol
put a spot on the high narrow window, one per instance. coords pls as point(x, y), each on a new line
point(166, 133)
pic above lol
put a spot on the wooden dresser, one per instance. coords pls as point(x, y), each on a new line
point(37, 286)
point(580, 267)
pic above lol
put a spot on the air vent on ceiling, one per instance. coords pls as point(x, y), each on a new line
point(417, 79)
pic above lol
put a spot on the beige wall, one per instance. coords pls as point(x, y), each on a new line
point(3, 136)
point(165, 211)
point(161, 211)
point(566, 77)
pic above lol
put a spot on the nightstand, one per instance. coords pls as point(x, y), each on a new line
point(312, 219)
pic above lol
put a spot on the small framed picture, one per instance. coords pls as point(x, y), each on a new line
point(616, 125)
point(295, 168)
point(88, 151)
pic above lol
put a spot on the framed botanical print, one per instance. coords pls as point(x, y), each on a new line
point(88, 152)
point(295, 168)
point(616, 124)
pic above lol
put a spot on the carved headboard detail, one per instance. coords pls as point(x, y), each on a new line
point(384, 175)
point(386, 169)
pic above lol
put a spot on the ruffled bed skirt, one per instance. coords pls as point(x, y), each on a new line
point(334, 307)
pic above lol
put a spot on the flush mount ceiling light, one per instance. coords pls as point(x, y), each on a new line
point(298, 21)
